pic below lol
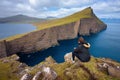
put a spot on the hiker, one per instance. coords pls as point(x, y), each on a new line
point(81, 52)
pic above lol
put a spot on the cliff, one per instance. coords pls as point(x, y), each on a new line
point(95, 69)
point(49, 32)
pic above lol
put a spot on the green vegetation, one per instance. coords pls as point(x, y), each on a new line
point(86, 13)
point(11, 69)
point(8, 69)
point(77, 71)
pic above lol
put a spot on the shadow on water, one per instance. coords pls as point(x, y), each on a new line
point(57, 52)
point(103, 44)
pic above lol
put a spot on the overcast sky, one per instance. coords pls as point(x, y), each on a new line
point(59, 8)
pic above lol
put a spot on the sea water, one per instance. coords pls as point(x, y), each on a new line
point(104, 44)
point(11, 29)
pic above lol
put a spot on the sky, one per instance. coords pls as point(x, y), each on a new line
point(59, 8)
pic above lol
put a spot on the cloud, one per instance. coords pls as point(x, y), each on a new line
point(22, 7)
point(107, 8)
point(61, 8)
point(43, 3)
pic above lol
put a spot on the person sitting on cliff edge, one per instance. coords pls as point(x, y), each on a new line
point(81, 52)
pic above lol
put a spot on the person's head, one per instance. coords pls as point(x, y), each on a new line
point(81, 40)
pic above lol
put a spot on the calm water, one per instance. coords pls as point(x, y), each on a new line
point(7, 30)
point(103, 44)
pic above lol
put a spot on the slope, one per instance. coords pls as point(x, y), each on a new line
point(86, 13)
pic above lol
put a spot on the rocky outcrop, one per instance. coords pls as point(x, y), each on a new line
point(95, 69)
point(26, 77)
point(109, 68)
point(46, 73)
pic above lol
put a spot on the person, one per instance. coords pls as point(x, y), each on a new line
point(81, 52)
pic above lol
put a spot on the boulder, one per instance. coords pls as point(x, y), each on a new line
point(37, 75)
point(68, 57)
point(114, 71)
point(49, 74)
point(50, 60)
point(26, 77)
point(111, 70)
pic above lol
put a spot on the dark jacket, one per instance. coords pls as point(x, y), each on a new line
point(82, 53)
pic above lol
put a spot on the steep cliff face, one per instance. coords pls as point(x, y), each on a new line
point(90, 25)
point(3, 52)
point(45, 38)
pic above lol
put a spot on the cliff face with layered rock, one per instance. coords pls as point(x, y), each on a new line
point(45, 38)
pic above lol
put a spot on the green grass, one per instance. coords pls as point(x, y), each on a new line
point(86, 13)
point(65, 71)
point(6, 70)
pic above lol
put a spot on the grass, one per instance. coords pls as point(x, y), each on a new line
point(65, 71)
point(6, 70)
point(86, 13)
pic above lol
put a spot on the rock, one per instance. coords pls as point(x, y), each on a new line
point(114, 71)
point(49, 74)
point(118, 67)
point(5, 60)
point(15, 57)
point(50, 60)
point(111, 70)
point(26, 77)
point(68, 57)
point(93, 27)
point(69, 74)
point(42, 39)
point(3, 52)
point(21, 72)
point(37, 75)
point(103, 67)
point(22, 65)
point(27, 70)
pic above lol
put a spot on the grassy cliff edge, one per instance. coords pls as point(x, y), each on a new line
point(86, 13)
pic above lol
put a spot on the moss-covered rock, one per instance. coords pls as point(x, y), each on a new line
point(95, 69)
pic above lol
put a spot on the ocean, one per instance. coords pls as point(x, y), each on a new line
point(10, 29)
point(103, 44)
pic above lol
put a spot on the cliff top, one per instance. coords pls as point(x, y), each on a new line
point(95, 69)
point(86, 13)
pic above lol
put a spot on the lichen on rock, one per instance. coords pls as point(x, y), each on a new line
point(95, 69)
